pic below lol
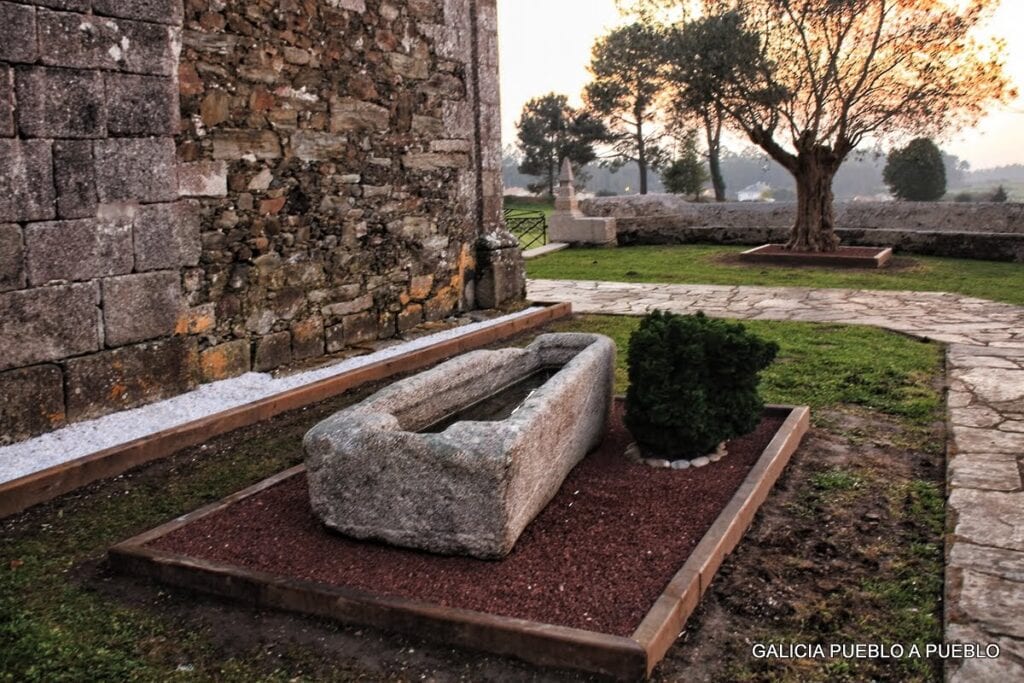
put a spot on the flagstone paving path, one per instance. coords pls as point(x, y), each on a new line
point(984, 595)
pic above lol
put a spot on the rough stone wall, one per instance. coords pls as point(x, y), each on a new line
point(191, 189)
point(93, 234)
point(340, 136)
point(970, 230)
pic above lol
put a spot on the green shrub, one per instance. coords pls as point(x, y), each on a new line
point(693, 383)
point(916, 173)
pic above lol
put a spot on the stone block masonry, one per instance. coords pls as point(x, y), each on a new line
point(89, 111)
point(193, 189)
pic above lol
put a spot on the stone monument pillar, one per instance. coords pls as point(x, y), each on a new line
point(569, 225)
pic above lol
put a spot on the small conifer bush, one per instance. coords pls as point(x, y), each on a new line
point(693, 383)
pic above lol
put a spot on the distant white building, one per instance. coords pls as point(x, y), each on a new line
point(758, 192)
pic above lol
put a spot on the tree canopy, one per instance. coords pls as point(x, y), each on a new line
point(916, 172)
point(626, 70)
point(551, 131)
point(686, 174)
point(698, 54)
point(829, 74)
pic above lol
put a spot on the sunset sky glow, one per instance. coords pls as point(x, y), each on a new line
point(545, 46)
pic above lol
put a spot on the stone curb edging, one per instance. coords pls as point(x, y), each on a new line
point(629, 658)
point(24, 492)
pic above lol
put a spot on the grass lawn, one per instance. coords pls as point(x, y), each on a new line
point(821, 365)
point(883, 584)
point(60, 622)
point(546, 206)
point(701, 264)
point(530, 204)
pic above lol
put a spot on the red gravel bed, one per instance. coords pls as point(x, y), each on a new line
point(596, 558)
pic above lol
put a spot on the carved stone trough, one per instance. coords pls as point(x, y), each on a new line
point(460, 458)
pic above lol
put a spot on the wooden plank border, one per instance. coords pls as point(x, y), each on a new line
point(629, 658)
point(22, 493)
point(832, 260)
point(663, 624)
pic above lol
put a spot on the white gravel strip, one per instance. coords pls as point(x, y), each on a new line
point(85, 438)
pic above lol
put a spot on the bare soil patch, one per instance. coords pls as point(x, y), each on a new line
point(816, 564)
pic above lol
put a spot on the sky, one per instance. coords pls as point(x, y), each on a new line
point(545, 46)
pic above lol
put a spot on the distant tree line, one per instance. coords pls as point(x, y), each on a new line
point(860, 177)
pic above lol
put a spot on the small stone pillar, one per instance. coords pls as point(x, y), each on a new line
point(501, 273)
point(569, 225)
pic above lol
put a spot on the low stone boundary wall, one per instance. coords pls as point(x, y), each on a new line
point(976, 230)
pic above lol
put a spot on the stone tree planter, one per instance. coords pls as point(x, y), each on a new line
point(375, 473)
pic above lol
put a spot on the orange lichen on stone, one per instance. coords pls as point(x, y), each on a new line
point(198, 320)
point(420, 287)
point(118, 392)
point(224, 361)
point(308, 338)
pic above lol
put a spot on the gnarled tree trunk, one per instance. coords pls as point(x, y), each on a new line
point(641, 149)
point(815, 215)
point(713, 131)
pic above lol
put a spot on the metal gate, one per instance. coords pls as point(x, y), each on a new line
point(529, 226)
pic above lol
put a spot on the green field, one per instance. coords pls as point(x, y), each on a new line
point(703, 264)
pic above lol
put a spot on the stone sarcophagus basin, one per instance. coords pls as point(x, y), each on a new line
point(460, 458)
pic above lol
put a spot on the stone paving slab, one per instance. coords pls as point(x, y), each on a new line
point(1007, 667)
point(988, 471)
point(984, 595)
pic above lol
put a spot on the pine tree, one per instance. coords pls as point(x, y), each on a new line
point(626, 69)
point(551, 131)
point(686, 175)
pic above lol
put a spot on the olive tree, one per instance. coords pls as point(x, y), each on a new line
point(826, 75)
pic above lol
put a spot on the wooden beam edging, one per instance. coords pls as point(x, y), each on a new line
point(624, 658)
point(22, 493)
point(879, 260)
point(665, 621)
point(542, 644)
